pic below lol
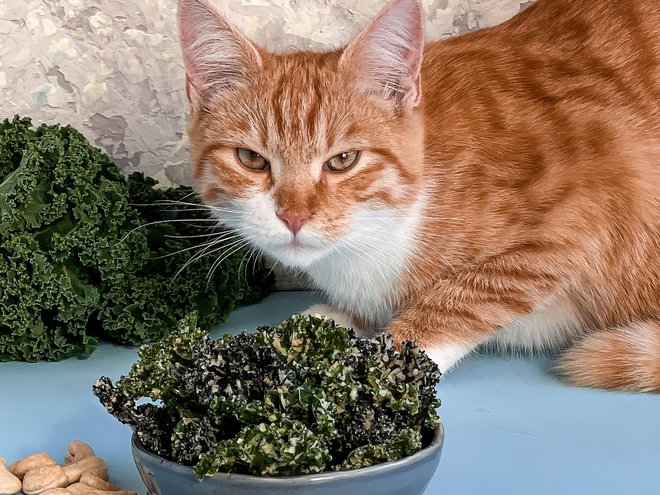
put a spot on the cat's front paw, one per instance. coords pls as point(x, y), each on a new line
point(337, 315)
point(445, 355)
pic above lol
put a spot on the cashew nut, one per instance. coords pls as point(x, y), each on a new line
point(78, 450)
point(81, 489)
point(91, 479)
point(9, 484)
point(19, 468)
point(40, 479)
point(94, 464)
point(83, 474)
point(84, 489)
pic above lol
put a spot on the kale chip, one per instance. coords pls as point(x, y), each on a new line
point(80, 261)
point(305, 396)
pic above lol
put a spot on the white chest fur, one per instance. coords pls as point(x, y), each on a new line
point(361, 274)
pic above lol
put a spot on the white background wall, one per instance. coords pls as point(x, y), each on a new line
point(113, 69)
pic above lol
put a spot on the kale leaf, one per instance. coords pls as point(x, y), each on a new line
point(80, 262)
point(301, 397)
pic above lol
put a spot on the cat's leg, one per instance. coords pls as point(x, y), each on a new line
point(340, 317)
point(625, 358)
point(461, 312)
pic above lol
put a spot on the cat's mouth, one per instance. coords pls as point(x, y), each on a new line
point(297, 253)
point(296, 245)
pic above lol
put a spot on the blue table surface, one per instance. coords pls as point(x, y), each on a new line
point(511, 426)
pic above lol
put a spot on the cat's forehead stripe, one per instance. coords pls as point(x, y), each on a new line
point(296, 107)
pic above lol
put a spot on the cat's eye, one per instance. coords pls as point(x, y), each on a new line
point(252, 159)
point(342, 161)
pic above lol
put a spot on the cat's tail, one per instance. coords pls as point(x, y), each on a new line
point(625, 359)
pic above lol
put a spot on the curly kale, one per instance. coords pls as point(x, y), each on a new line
point(79, 260)
point(302, 397)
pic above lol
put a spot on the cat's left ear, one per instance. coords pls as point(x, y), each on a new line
point(386, 57)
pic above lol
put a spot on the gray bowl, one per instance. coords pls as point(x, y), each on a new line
point(409, 476)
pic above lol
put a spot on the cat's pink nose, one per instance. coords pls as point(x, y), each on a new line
point(294, 221)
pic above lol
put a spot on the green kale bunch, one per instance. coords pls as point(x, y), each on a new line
point(302, 397)
point(78, 259)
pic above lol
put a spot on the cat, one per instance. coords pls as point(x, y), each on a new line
point(500, 188)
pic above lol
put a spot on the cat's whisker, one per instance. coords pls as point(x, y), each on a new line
point(366, 257)
point(158, 222)
point(180, 251)
point(246, 259)
point(237, 246)
point(383, 237)
point(199, 206)
point(207, 251)
point(398, 265)
point(242, 267)
point(415, 217)
point(196, 236)
point(380, 239)
point(218, 237)
point(275, 263)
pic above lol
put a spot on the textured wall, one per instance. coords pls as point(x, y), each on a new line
point(112, 68)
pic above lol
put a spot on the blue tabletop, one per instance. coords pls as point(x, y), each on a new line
point(511, 427)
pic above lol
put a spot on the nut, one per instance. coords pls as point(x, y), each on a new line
point(44, 478)
point(81, 489)
point(94, 464)
point(19, 468)
point(84, 489)
point(91, 479)
point(9, 484)
point(78, 450)
point(84, 473)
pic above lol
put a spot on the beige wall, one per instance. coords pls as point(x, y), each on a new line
point(112, 68)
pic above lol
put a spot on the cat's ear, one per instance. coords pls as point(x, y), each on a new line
point(386, 56)
point(216, 56)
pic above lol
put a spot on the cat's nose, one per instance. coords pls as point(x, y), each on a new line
point(294, 221)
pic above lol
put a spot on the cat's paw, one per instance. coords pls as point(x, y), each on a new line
point(340, 317)
point(447, 356)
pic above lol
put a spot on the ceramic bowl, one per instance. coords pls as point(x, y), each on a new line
point(410, 476)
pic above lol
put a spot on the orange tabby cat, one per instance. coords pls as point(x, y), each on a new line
point(498, 188)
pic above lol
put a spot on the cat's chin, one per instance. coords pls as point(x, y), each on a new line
point(296, 255)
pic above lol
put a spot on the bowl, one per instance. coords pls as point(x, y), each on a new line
point(410, 475)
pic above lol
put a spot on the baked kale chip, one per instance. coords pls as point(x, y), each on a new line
point(301, 397)
point(79, 261)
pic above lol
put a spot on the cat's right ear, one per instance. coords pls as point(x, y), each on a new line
point(217, 57)
point(385, 59)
